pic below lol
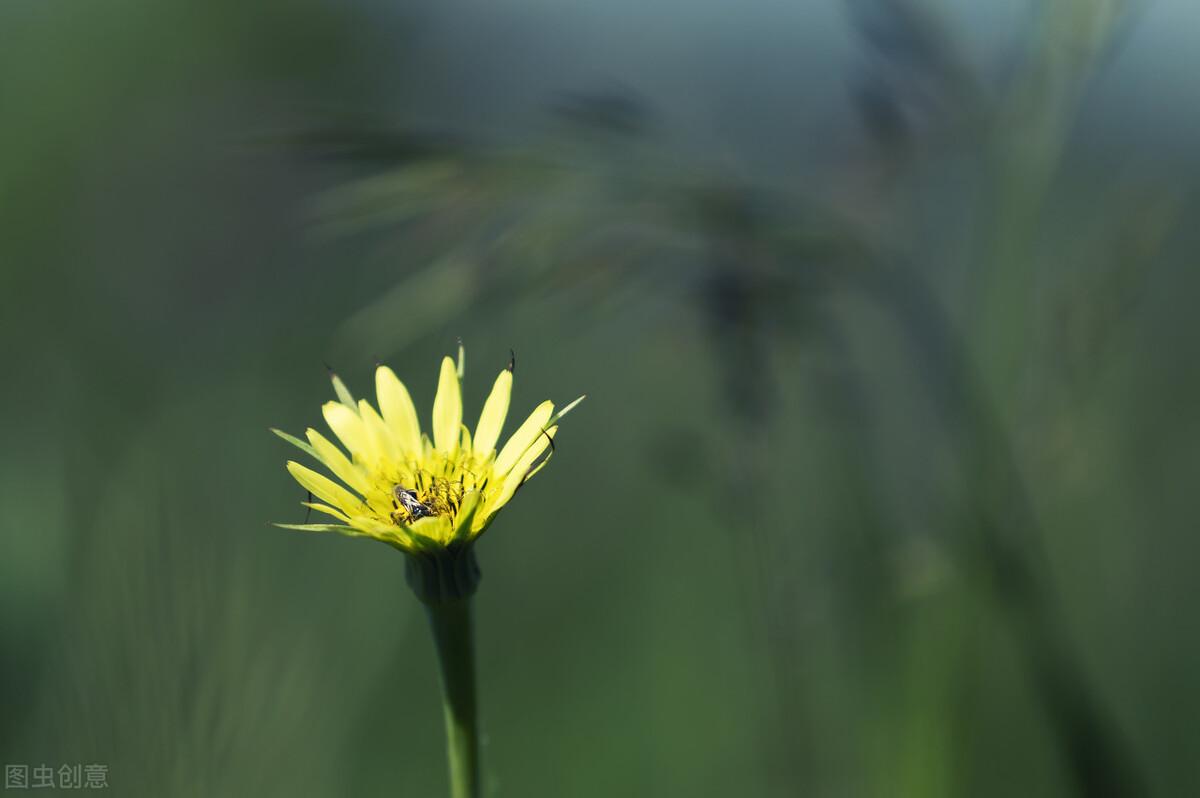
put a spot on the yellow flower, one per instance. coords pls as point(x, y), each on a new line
point(402, 488)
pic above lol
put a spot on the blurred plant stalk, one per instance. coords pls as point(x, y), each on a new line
point(1070, 43)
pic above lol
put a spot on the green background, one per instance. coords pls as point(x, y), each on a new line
point(886, 480)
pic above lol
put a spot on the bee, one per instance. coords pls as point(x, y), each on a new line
point(407, 499)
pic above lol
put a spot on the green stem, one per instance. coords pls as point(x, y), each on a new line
point(452, 633)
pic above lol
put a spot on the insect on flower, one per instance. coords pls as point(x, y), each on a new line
point(408, 502)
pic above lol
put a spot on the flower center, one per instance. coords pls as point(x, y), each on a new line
point(427, 496)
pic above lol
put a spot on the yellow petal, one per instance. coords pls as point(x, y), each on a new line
point(520, 471)
point(466, 514)
point(372, 526)
point(380, 500)
point(337, 462)
point(537, 468)
point(432, 527)
point(447, 409)
point(324, 488)
point(349, 428)
point(398, 410)
point(393, 535)
point(495, 410)
point(325, 508)
point(382, 440)
point(523, 438)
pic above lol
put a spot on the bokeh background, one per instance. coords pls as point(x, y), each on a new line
point(886, 484)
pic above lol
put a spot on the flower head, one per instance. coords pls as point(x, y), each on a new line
point(419, 494)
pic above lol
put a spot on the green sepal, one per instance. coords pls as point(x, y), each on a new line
point(299, 444)
point(558, 416)
point(341, 529)
point(343, 393)
point(448, 574)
